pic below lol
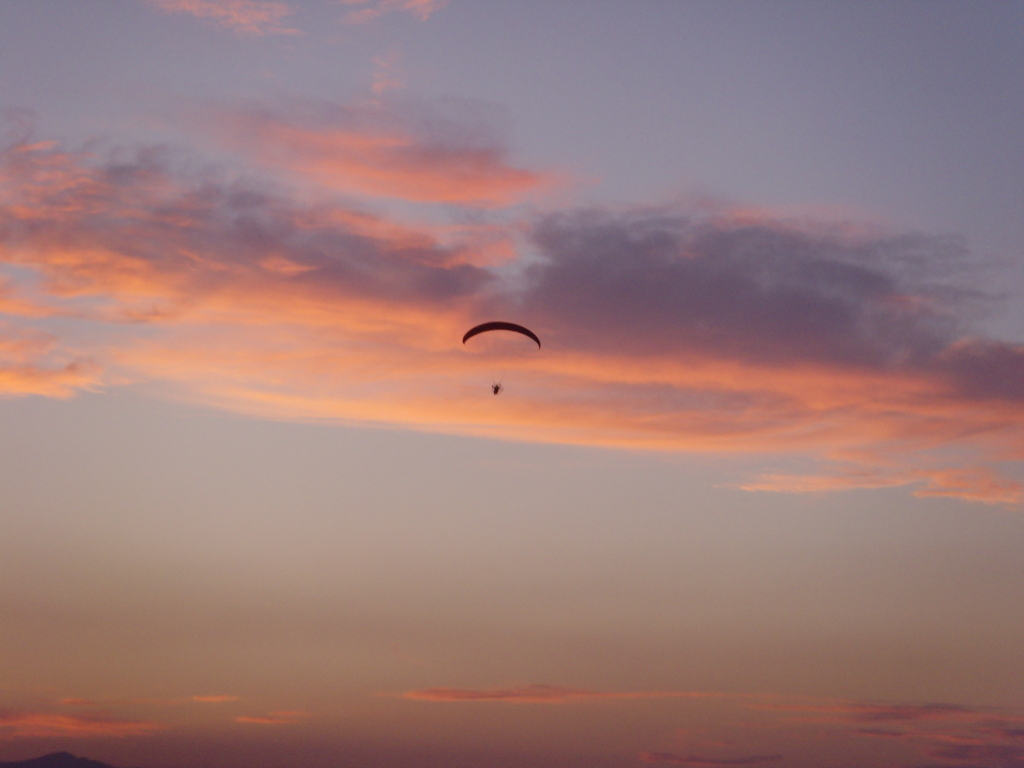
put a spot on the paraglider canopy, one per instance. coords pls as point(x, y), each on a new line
point(499, 325)
point(500, 349)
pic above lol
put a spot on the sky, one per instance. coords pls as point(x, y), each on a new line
point(756, 499)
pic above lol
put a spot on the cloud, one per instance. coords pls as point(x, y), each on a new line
point(537, 694)
point(31, 363)
point(935, 730)
point(443, 153)
point(941, 731)
point(274, 718)
point(33, 725)
point(367, 10)
point(675, 759)
point(386, 74)
point(866, 712)
point(250, 17)
point(663, 328)
point(215, 699)
point(990, 737)
point(972, 484)
point(882, 733)
point(978, 484)
point(1007, 754)
point(793, 330)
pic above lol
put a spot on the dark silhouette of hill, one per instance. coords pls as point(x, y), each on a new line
point(56, 760)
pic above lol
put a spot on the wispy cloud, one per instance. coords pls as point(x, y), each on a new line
point(672, 758)
point(34, 725)
point(978, 484)
point(792, 331)
point(538, 694)
point(663, 328)
point(992, 736)
point(215, 699)
point(364, 11)
point(250, 17)
point(868, 712)
point(274, 718)
point(445, 153)
point(1005, 755)
point(386, 74)
point(32, 363)
point(989, 737)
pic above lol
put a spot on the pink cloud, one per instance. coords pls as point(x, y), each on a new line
point(252, 17)
point(863, 712)
point(672, 758)
point(973, 484)
point(215, 699)
point(989, 736)
point(943, 731)
point(537, 694)
point(367, 10)
point(663, 328)
point(1011, 755)
point(274, 718)
point(34, 725)
point(979, 484)
point(31, 363)
point(409, 153)
point(386, 74)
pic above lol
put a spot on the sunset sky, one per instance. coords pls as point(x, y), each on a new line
point(758, 499)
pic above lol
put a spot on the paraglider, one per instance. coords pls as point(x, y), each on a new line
point(500, 325)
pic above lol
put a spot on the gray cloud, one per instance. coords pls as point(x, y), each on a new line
point(668, 283)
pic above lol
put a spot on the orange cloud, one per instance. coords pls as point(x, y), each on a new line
point(31, 363)
point(60, 383)
point(215, 699)
point(539, 694)
point(382, 151)
point(252, 17)
point(663, 329)
point(275, 718)
point(979, 484)
point(34, 725)
point(973, 484)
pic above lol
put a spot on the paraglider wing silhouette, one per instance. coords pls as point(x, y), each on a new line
point(498, 325)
